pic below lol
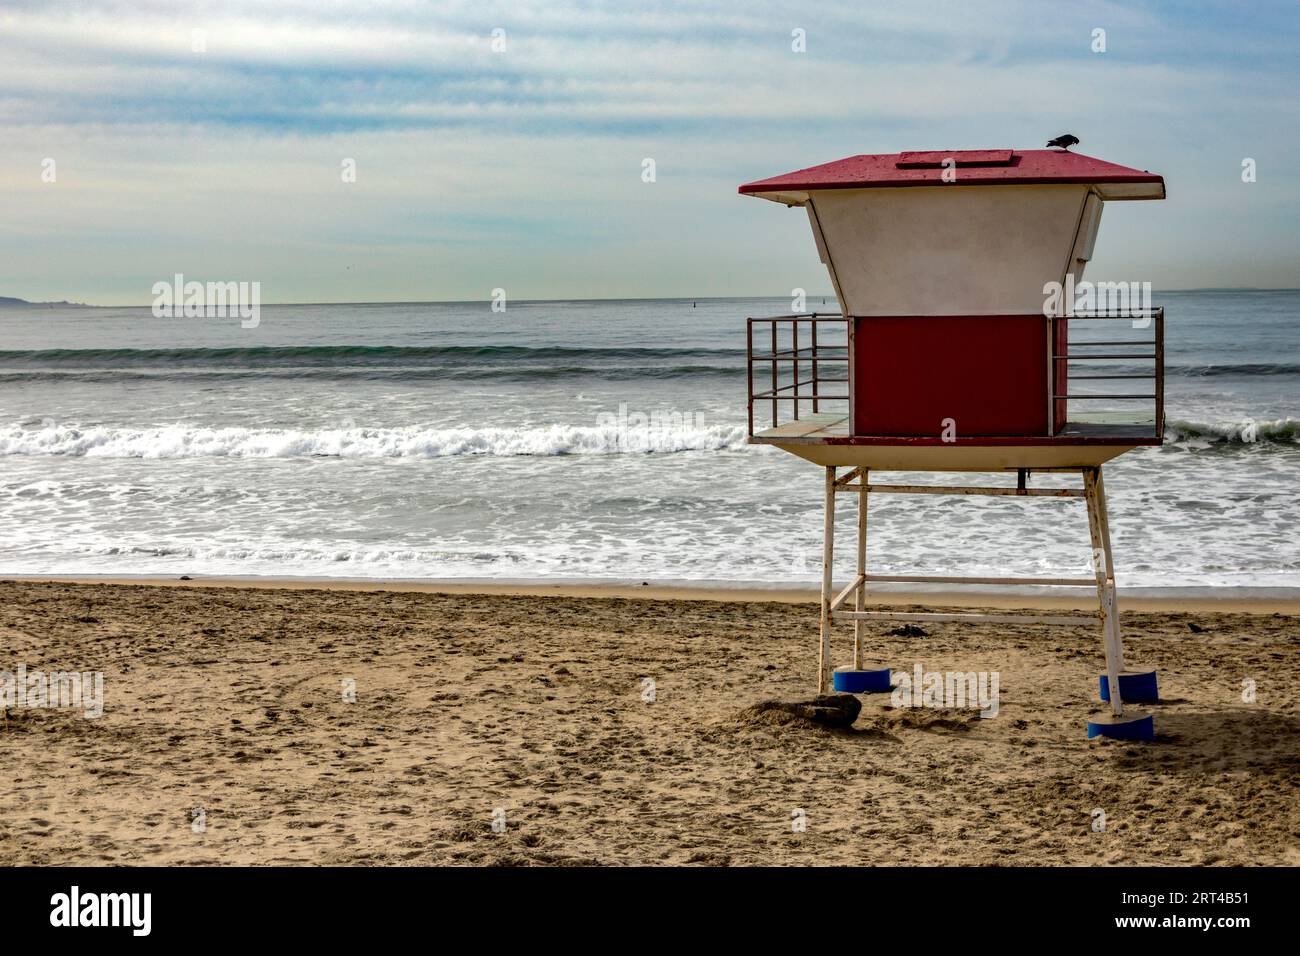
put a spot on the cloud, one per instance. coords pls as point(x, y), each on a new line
point(474, 164)
point(564, 66)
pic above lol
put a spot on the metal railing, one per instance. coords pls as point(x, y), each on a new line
point(792, 371)
point(788, 371)
point(1115, 349)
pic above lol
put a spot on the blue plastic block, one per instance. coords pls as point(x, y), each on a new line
point(1128, 727)
point(862, 682)
point(1135, 687)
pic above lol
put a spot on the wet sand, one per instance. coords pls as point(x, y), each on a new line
point(536, 706)
point(1227, 600)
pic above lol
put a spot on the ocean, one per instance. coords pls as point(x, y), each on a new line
point(448, 441)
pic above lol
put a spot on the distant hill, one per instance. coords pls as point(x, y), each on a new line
point(9, 302)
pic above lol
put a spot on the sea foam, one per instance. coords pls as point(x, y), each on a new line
point(185, 441)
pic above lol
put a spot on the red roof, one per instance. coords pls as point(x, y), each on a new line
point(975, 167)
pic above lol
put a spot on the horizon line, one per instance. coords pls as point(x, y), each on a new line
point(672, 298)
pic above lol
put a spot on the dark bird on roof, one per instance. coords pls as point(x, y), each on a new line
point(1064, 141)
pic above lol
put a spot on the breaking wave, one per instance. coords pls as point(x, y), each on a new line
point(1282, 431)
point(185, 441)
point(416, 441)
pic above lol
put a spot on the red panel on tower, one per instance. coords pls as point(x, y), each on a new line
point(987, 373)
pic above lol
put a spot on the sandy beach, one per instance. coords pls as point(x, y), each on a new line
point(349, 725)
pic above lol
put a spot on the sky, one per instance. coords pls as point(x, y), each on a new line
point(140, 140)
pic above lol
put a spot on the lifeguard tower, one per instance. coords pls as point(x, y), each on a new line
point(951, 353)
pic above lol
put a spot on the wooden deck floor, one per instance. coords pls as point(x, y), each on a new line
point(815, 426)
point(834, 427)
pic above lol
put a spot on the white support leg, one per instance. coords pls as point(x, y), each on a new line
point(828, 554)
point(1116, 634)
point(862, 568)
point(1105, 593)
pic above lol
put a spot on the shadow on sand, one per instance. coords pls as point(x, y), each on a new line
point(1241, 738)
